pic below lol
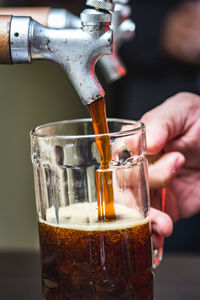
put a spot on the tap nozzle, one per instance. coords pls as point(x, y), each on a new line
point(75, 50)
point(96, 24)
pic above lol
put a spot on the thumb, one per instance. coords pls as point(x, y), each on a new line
point(161, 225)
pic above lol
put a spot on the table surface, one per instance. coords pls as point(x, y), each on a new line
point(178, 277)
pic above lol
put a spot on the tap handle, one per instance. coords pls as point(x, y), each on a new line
point(40, 14)
point(5, 56)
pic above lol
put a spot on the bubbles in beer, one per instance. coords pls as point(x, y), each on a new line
point(96, 260)
point(84, 216)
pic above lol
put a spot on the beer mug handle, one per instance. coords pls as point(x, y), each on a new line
point(158, 253)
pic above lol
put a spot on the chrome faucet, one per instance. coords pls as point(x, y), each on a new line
point(123, 30)
point(122, 27)
point(75, 50)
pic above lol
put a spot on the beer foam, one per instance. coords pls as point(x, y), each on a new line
point(84, 216)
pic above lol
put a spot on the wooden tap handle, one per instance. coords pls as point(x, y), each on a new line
point(39, 14)
point(5, 57)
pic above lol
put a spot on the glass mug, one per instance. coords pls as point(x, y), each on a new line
point(157, 200)
point(83, 257)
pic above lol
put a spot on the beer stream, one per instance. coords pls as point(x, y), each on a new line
point(104, 184)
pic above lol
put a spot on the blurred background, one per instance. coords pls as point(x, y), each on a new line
point(162, 59)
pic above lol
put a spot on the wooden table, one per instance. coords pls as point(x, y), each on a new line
point(178, 277)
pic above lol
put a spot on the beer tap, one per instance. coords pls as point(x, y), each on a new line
point(24, 40)
point(122, 26)
point(123, 30)
point(47, 16)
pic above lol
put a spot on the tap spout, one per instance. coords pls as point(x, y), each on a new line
point(75, 50)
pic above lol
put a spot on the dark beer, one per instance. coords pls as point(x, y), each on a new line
point(104, 185)
point(86, 259)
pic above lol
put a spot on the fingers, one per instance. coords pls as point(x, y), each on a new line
point(160, 172)
point(161, 225)
point(165, 169)
point(157, 240)
point(172, 206)
point(170, 120)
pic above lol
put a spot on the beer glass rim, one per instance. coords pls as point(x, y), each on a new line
point(138, 127)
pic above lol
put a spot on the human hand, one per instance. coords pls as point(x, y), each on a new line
point(174, 128)
point(181, 32)
point(129, 190)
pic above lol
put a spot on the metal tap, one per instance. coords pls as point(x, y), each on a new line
point(122, 26)
point(75, 50)
point(106, 5)
point(47, 16)
point(123, 30)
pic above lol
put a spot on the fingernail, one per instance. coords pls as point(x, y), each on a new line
point(155, 228)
